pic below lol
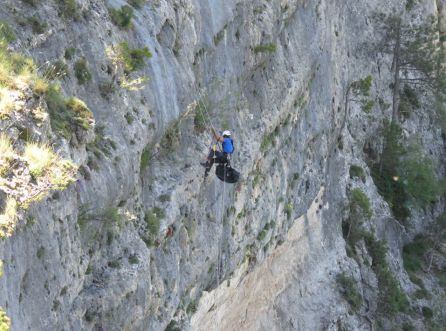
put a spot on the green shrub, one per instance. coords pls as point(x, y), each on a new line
point(407, 326)
point(171, 138)
point(404, 175)
point(357, 172)
point(192, 307)
point(31, 2)
point(132, 58)
point(145, 158)
point(68, 9)
point(122, 17)
point(133, 259)
point(385, 173)
point(58, 69)
point(81, 71)
point(66, 114)
point(269, 139)
point(363, 86)
point(137, 3)
point(40, 252)
point(359, 199)
point(37, 25)
point(427, 312)
point(114, 264)
point(391, 298)
point(410, 4)
point(413, 254)
point(350, 291)
point(81, 115)
point(173, 326)
point(152, 219)
point(200, 118)
point(367, 105)
point(69, 53)
point(111, 216)
point(418, 177)
point(265, 48)
point(7, 34)
point(408, 101)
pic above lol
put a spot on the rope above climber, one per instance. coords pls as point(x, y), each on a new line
point(222, 157)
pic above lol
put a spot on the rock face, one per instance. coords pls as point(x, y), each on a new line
point(141, 242)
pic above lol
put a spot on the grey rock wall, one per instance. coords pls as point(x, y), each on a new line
point(276, 234)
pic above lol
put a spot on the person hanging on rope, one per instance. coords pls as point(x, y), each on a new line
point(222, 156)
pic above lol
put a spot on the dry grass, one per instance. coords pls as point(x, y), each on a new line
point(6, 153)
point(40, 158)
point(8, 218)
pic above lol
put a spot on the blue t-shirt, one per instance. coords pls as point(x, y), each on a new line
point(227, 145)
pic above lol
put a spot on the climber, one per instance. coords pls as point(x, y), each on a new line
point(223, 156)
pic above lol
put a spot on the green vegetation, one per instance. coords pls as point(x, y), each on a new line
point(133, 259)
point(48, 171)
point(171, 138)
point(427, 312)
point(201, 117)
point(111, 216)
point(67, 114)
point(408, 101)
point(137, 3)
point(350, 291)
point(82, 72)
point(362, 86)
point(58, 69)
point(269, 140)
point(122, 17)
point(289, 210)
point(173, 326)
point(37, 25)
point(358, 199)
point(404, 175)
point(262, 234)
point(410, 4)
point(132, 58)
point(391, 298)
point(68, 9)
point(40, 252)
point(413, 254)
point(7, 34)
point(219, 36)
point(5, 322)
point(192, 307)
point(265, 48)
point(145, 158)
point(152, 219)
point(69, 53)
point(367, 106)
point(81, 115)
point(357, 172)
point(31, 2)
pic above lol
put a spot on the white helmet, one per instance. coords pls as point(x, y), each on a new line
point(226, 133)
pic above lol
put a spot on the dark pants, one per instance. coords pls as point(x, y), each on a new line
point(219, 157)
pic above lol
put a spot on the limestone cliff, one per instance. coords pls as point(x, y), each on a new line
point(127, 235)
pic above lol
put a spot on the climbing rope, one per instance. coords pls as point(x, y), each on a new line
point(222, 230)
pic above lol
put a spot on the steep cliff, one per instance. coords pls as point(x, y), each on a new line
point(124, 233)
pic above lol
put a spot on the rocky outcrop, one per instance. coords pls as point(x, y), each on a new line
point(140, 241)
